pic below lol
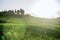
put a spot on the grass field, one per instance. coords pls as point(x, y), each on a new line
point(30, 28)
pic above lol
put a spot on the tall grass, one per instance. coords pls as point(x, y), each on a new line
point(30, 29)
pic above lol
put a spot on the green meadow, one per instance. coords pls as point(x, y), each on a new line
point(30, 28)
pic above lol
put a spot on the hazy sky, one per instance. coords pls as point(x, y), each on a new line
point(39, 8)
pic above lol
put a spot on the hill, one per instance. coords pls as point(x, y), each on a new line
point(28, 27)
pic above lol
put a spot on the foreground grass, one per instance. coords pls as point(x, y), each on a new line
point(13, 29)
point(41, 33)
point(29, 29)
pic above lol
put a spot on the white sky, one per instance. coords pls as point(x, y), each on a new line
point(38, 8)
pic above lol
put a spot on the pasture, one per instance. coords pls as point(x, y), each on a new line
point(30, 28)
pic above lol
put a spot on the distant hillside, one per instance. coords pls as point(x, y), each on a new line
point(27, 27)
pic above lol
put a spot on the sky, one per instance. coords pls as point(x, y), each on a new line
point(38, 8)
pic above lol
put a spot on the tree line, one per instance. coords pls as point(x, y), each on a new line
point(12, 13)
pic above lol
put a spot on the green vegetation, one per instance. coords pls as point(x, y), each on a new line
point(27, 27)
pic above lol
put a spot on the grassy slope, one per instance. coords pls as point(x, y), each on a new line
point(31, 28)
point(14, 28)
point(42, 29)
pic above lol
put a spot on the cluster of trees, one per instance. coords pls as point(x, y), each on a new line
point(12, 13)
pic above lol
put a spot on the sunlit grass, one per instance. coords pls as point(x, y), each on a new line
point(30, 29)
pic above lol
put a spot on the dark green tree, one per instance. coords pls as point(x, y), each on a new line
point(3, 13)
point(22, 11)
point(10, 13)
point(18, 11)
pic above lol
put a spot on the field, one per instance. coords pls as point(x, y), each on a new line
point(30, 28)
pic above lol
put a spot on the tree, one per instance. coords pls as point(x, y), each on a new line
point(18, 11)
point(3, 13)
point(10, 13)
point(22, 11)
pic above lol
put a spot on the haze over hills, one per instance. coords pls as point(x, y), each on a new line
point(37, 8)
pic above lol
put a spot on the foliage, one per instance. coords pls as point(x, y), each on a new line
point(12, 13)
